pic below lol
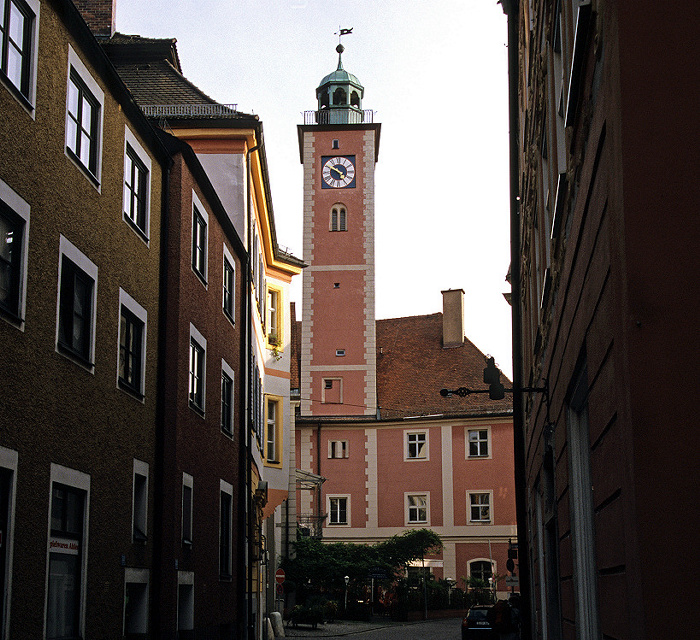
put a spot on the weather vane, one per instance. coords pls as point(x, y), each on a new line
point(343, 32)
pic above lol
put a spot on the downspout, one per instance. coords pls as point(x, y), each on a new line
point(159, 453)
point(319, 506)
point(248, 324)
point(511, 9)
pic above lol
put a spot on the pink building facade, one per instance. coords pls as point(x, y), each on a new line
point(377, 449)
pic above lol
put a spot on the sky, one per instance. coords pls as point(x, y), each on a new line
point(435, 74)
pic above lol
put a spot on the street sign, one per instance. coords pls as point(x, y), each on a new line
point(512, 581)
point(280, 590)
point(279, 576)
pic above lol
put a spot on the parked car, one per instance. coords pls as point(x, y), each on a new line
point(476, 626)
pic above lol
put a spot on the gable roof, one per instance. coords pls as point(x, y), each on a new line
point(412, 367)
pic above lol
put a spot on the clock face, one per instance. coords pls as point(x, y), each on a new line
point(338, 172)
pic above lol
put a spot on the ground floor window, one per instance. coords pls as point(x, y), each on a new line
point(65, 562)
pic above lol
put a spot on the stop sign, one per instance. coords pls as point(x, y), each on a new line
point(279, 576)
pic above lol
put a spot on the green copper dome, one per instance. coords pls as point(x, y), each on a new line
point(340, 95)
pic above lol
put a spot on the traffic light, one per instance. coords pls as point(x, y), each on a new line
point(492, 377)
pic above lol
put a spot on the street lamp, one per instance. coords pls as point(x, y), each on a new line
point(347, 579)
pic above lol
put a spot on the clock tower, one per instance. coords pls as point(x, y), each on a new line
point(339, 145)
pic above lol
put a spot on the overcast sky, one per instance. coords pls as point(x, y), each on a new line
point(434, 72)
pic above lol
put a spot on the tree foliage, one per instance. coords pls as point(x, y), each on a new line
point(326, 565)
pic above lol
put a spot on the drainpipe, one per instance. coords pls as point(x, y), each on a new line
point(158, 462)
point(248, 324)
point(319, 506)
point(511, 9)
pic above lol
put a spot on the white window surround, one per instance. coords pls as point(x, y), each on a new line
point(185, 609)
point(79, 259)
point(338, 449)
point(135, 576)
point(334, 381)
point(202, 342)
point(75, 63)
point(187, 481)
point(139, 507)
point(225, 368)
point(35, 7)
point(125, 300)
point(8, 460)
point(422, 448)
point(197, 203)
point(228, 258)
point(340, 496)
point(473, 492)
point(131, 140)
point(487, 560)
point(22, 209)
point(467, 453)
point(77, 480)
point(227, 488)
point(409, 508)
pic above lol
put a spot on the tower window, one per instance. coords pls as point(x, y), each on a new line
point(338, 218)
point(340, 96)
point(355, 99)
point(336, 144)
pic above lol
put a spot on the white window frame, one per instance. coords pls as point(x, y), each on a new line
point(76, 64)
point(407, 507)
point(202, 212)
point(130, 140)
point(22, 209)
point(335, 446)
point(139, 504)
point(185, 622)
point(467, 441)
point(8, 461)
point(279, 430)
point(474, 492)
point(81, 481)
point(187, 481)
point(486, 560)
point(125, 300)
point(228, 259)
point(67, 249)
point(227, 488)
point(414, 432)
point(201, 342)
point(28, 100)
point(142, 577)
point(338, 496)
point(228, 371)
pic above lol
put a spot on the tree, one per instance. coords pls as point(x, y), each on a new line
point(326, 565)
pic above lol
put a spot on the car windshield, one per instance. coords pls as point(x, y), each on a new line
point(477, 614)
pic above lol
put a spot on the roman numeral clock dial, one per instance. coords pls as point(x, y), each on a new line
point(338, 172)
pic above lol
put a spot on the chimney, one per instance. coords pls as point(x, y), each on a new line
point(99, 15)
point(452, 318)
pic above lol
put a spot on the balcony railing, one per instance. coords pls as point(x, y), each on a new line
point(190, 110)
point(311, 525)
point(339, 116)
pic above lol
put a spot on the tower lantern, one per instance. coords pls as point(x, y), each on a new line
point(340, 96)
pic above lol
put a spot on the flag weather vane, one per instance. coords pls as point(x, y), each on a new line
point(343, 32)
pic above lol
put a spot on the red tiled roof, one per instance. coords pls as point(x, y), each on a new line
point(412, 367)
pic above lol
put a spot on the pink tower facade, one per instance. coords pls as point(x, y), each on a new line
point(338, 343)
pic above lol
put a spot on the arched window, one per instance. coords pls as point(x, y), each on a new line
point(339, 96)
point(355, 99)
point(339, 218)
point(325, 100)
point(480, 570)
